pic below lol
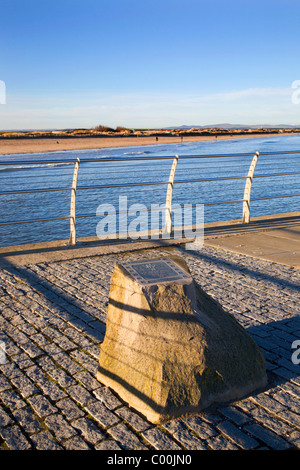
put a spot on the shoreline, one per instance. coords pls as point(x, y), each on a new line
point(44, 145)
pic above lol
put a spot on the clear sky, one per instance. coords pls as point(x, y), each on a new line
point(148, 63)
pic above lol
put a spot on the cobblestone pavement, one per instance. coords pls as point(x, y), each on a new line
point(53, 320)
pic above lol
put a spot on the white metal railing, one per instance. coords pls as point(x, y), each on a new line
point(169, 183)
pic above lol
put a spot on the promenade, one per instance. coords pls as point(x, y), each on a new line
point(52, 321)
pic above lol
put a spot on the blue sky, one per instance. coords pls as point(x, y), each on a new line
point(148, 63)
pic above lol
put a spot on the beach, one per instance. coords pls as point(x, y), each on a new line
point(10, 146)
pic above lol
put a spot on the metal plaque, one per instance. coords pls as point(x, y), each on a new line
point(156, 271)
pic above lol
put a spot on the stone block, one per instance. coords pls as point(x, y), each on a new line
point(170, 350)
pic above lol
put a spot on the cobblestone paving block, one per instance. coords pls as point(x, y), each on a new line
point(160, 440)
point(51, 349)
point(69, 409)
point(200, 427)
point(25, 386)
point(88, 430)
point(40, 340)
point(267, 402)
point(294, 439)
point(105, 395)
point(284, 373)
point(67, 363)
point(221, 443)
point(271, 422)
point(287, 400)
point(10, 348)
point(81, 357)
point(41, 406)
point(292, 418)
point(293, 389)
point(138, 423)
point(62, 377)
point(28, 421)
point(238, 417)
point(185, 436)
point(59, 426)
point(32, 349)
point(10, 370)
point(87, 380)
point(76, 443)
point(14, 438)
point(52, 390)
point(36, 374)
point(101, 414)
point(126, 438)
point(239, 437)
point(45, 441)
point(12, 400)
point(4, 418)
point(108, 445)
point(80, 395)
point(4, 384)
point(267, 437)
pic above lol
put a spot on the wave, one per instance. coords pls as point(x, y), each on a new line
point(27, 167)
point(144, 152)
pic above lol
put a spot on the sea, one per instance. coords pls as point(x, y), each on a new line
point(136, 165)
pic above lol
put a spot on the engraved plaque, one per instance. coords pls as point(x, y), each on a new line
point(156, 271)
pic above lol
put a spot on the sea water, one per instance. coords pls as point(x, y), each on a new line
point(138, 167)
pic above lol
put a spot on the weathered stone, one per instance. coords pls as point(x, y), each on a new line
point(170, 350)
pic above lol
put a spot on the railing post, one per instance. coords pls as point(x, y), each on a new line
point(247, 191)
point(168, 209)
point(72, 240)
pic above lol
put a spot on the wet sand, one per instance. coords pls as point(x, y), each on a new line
point(41, 145)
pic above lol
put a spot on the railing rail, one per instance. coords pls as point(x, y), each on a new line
point(170, 183)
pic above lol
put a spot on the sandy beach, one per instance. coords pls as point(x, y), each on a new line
point(41, 145)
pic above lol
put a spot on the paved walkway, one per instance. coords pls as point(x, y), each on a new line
point(270, 238)
point(51, 324)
